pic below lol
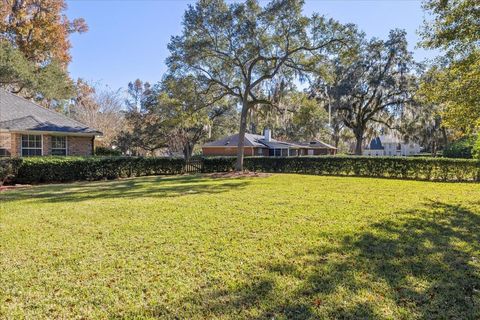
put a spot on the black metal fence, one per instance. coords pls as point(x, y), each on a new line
point(194, 166)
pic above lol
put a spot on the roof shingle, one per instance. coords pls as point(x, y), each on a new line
point(255, 140)
point(17, 113)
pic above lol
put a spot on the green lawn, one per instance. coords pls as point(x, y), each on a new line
point(283, 247)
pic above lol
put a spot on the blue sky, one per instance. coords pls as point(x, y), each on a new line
point(128, 38)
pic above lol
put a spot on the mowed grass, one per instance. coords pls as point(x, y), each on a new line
point(278, 247)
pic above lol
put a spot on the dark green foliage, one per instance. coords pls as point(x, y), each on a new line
point(461, 148)
point(61, 169)
point(436, 169)
point(19, 75)
point(103, 151)
point(476, 149)
point(219, 164)
point(65, 169)
point(9, 168)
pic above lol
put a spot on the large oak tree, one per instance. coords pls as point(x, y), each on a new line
point(239, 47)
point(372, 85)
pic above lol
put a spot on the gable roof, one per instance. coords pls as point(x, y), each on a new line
point(317, 144)
point(251, 140)
point(19, 114)
point(390, 139)
point(376, 144)
point(255, 140)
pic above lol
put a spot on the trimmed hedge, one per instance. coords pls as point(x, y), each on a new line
point(434, 169)
point(9, 168)
point(107, 152)
point(65, 169)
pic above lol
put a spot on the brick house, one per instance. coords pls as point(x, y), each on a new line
point(258, 145)
point(28, 129)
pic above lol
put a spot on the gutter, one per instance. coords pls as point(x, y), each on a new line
point(55, 133)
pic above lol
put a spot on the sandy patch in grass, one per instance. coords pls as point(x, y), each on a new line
point(233, 174)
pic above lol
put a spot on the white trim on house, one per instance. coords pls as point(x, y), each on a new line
point(51, 133)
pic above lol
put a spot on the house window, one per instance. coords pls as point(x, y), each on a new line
point(59, 146)
point(4, 152)
point(275, 152)
point(31, 145)
point(260, 151)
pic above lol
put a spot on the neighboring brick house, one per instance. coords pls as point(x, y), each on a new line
point(258, 145)
point(28, 129)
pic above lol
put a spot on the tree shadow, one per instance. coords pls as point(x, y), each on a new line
point(420, 264)
point(159, 186)
point(425, 262)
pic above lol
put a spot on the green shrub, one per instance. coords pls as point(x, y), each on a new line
point(476, 149)
point(461, 148)
point(9, 168)
point(107, 152)
point(65, 169)
point(436, 169)
point(218, 164)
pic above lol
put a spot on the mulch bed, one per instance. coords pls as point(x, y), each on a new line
point(17, 186)
point(234, 174)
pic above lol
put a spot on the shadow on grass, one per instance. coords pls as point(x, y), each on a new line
point(423, 264)
point(160, 186)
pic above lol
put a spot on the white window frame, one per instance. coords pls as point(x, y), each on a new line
point(28, 148)
point(66, 145)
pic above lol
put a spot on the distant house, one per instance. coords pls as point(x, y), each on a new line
point(388, 145)
point(258, 145)
point(28, 129)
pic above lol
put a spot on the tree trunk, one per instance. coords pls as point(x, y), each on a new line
point(337, 141)
point(187, 151)
point(359, 142)
point(241, 137)
point(445, 137)
point(434, 148)
point(336, 136)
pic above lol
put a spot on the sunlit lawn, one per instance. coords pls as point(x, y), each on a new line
point(283, 247)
